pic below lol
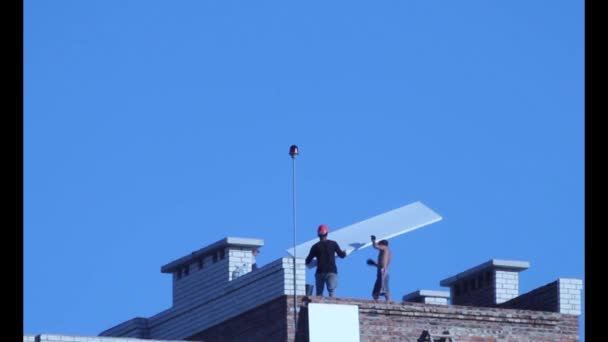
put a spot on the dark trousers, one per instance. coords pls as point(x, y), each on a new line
point(329, 279)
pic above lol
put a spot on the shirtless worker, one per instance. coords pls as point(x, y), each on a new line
point(381, 287)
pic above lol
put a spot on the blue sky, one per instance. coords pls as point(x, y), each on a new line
point(154, 128)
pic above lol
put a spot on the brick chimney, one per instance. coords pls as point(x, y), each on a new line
point(204, 273)
point(493, 282)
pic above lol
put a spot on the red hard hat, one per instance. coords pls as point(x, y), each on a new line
point(322, 230)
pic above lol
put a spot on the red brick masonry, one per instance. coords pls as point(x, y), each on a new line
point(397, 321)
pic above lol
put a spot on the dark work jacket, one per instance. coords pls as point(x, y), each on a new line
point(325, 252)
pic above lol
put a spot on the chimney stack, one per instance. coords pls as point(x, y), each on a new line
point(203, 274)
point(493, 282)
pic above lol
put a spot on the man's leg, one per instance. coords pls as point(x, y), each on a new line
point(377, 285)
point(332, 283)
point(320, 283)
point(385, 288)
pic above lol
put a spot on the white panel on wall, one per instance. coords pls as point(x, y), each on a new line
point(333, 322)
point(384, 226)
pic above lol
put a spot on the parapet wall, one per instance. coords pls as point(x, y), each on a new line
point(398, 321)
point(407, 321)
point(235, 297)
point(562, 295)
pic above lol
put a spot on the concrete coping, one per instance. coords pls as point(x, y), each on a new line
point(426, 293)
point(493, 264)
point(223, 243)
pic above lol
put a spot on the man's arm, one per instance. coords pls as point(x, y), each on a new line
point(375, 245)
point(311, 255)
point(340, 252)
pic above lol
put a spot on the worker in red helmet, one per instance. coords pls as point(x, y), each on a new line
point(325, 251)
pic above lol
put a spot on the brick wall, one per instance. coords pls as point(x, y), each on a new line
point(394, 321)
point(214, 305)
point(264, 323)
point(490, 283)
point(484, 296)
point(234, 298)
point(486, 289)
point(201, 274)
point(562, 295)
point(206, 277)
point(239, 257)
point(506, 284)
point(570, 295)
point(201, 284)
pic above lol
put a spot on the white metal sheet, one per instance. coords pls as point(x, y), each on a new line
point(384, 226)
point(333, 322)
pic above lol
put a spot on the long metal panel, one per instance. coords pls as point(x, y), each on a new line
point(384, 226)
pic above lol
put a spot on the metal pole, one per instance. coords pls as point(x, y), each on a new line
point(293, 152)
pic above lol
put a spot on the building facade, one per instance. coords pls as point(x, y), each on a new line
point(218, 296)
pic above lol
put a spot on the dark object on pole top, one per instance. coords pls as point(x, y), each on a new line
point(293, 151)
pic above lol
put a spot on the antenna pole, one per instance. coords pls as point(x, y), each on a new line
point(293, 152)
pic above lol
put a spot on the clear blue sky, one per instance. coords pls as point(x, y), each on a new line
point(153, 128)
